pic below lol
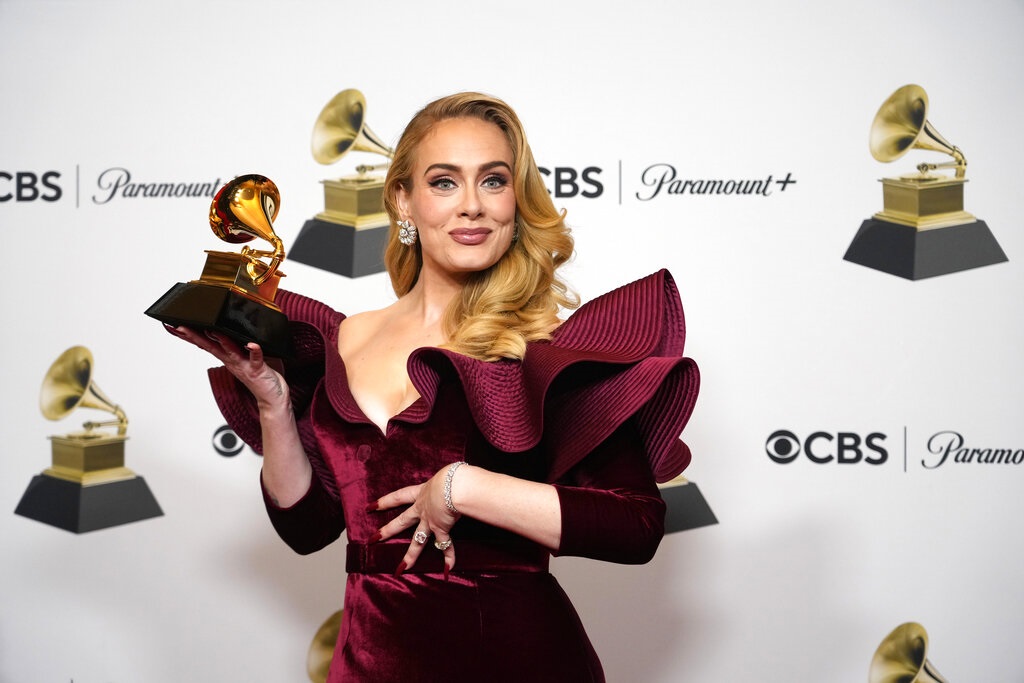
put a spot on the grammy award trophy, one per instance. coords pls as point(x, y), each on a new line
point(923, 230)
point(87, 486)
point(349, 235)
point(235, 292)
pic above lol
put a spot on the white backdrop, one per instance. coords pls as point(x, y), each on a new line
point(811, 564)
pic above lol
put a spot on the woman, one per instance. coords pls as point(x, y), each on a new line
point(462, 435)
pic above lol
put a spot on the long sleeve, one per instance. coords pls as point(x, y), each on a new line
point(316, 519)
point(313, 522)
point(611, 507)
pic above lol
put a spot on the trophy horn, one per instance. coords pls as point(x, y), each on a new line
point(341, 128)
point(902, 658)
point(68, 385)
point(901, 124)
point(243, 209)
point(321, 648)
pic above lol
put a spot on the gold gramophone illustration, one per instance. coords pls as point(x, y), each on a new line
point(235, 292)
point(87, 486)
point(321, 648)
point(902, 657)
point(923, 230)
point(349, 235)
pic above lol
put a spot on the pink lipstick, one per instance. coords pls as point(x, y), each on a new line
point(469, 236)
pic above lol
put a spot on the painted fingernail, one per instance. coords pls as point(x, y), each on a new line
point(376, 537)
point(446, 571)
point(400, 569)
point(372, 506)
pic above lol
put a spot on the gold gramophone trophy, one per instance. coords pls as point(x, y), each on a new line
point(923, 229)
point(349, 235)
point(87, 486)
point(902, 657)
point(235, 292)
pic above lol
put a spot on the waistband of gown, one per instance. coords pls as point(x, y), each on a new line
point(470, 556)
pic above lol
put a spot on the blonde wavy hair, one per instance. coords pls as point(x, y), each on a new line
point(518, 299)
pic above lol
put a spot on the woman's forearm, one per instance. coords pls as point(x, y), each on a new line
point(286, 469)
point(530, 509)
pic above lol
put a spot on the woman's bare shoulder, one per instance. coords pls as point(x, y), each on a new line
point(360, 326)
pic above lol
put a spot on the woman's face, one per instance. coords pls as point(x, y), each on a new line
point(462, 201)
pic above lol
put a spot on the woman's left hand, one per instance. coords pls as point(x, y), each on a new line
point(428, 515)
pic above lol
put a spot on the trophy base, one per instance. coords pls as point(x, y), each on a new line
point(924, 201)
point(88, 459)
point(687, 508)
point(76, 508)
point(212, 307)
point(340, 249)
point(356, 200)
point(914, 254)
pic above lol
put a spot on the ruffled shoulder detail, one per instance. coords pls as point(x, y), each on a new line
point(618, 358)
point(311, 324)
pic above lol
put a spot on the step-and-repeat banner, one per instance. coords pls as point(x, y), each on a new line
point(833, 188)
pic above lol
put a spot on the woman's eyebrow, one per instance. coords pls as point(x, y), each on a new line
point(453, 167)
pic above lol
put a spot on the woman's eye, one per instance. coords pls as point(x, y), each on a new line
point(443, 184)
point(495, 181)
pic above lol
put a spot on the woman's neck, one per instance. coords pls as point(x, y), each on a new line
point(431, 296)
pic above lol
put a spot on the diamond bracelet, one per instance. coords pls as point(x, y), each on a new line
point(448, 485)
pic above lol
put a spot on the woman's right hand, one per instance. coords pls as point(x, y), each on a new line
point(246, 363)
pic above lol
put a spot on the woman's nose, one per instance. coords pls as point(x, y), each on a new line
point(471, 205)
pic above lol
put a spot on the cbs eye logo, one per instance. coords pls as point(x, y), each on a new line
point(226, 442)
point(845, 448)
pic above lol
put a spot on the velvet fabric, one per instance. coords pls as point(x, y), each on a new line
point(596, 412)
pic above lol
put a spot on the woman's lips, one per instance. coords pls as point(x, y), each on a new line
point(469, 235)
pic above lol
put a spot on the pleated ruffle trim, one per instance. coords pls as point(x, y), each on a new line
point(618, 358)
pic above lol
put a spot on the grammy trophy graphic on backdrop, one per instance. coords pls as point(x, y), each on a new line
point(923, 229)
point(686, 507)
point(235, 292)
point(349, 235)
point(903, 656)
point(87, 486)
point(321, 648)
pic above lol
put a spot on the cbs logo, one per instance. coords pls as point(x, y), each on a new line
point(564, 181)
point(226, 442)
point(845, 448)
point(26, 186)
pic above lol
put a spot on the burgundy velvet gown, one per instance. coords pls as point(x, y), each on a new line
point(597, 412)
